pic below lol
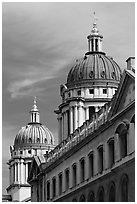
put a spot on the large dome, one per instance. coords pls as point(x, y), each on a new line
point(95, 66)
point(33, 135)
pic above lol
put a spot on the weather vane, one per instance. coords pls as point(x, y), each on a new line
point(94, 17)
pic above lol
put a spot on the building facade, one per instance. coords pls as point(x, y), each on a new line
point(32, 139)
point(95, 157)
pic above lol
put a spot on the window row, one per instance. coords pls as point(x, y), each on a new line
point(111, 195)
point(78, 171)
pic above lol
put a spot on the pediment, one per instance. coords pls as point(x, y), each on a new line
point(125, 94)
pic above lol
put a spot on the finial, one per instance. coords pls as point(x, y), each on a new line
point(35, 100)
point(94, 30)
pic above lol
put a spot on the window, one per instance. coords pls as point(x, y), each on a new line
point(111, 153)
point(104, 91)
point(101, 194)
point(60, 184)
point(67, 179)
point(91, 197)
point(48, 190)
point(30, 140)
point(82, 198)
point(74, 175)
point(91, 111)
point(29, 151)
point(79, 92)
point(29, 166)
point(100, 159)
point(21, 152)
point(54, 187)
point(38, 140)
point(82, 168)
point(91, 164)
point(91, 91)
point(112, 193)
point(124, 189)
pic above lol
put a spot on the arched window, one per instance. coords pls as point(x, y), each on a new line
point(82, 198)
point(112, 192)
point(74, 169)
point(124, 188)
point(111, 152)
point(91, 197)
point(67, 178)
point(100, 159)
point(60, 183)
point(122, 131)
point(54, 186)
point(82, 169)
point(48, 190)
point(101, 194)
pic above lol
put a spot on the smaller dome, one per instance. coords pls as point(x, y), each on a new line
point(33, 135)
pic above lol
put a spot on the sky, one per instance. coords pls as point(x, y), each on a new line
point(40, 43)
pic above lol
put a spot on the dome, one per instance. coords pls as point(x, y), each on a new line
point(95, 66)
point(33, 135)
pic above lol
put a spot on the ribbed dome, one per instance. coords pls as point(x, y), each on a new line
point(33, 135)
point(95, 66)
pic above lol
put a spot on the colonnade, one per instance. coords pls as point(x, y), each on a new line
point(18, 172)
point(70, 119)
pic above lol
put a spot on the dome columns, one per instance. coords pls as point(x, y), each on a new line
point(95, 43)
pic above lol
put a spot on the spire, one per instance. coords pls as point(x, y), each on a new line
point(34, 113)
point(95, 39)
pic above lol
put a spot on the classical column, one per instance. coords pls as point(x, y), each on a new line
point(59, 129)
point(65, 125)
point(95, 162)
point(62, 126)
point(51, 189)
point(80, 116)
point(63, 182)
point(15, 173)
point(117, 147)
point(26, 172)
point(87, 113)
point(75, 117)
point(71, 177)
point(18, 164)
point(22, 172)
point(71, 120)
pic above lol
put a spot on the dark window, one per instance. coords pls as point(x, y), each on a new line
point(41, 190)
point(96, 44)
point(54, 187)
point(91, 91)
point(100, 159)
point(38, 140)
point(67, 179)
point(82, 198)
point(92, 44)
point(21, 152)
point(91, 111)
point(74, 175)
point(48, 190)
point(91, 165)
point(79, 92)
point(112, 193)
point(124, 189)
point(91, 197)
point(101, 195)
point(68, 120)
point(35, 117)
point(29, 151)
point(104, 91)
point(29, 166)
point(123, 144)
point(69, 94)
point(30, 140)
point(60, 184)
point(111, 153)
point(82, 168)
